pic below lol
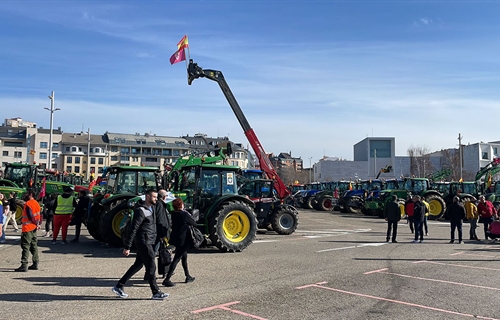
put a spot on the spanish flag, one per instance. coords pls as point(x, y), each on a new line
point(489, 182)
point(183, 43)
point(350, 186)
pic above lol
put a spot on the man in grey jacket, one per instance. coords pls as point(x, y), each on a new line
point(392, 215)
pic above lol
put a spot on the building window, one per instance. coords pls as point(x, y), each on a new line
point(124, 158)
point(68, 169)
point(77, 169)
point(176, 153)
point(18, 154)
point(151, 160)
point(495, 151)
point(100, 161)
point(165, 152)
point(55, 145)
point(55, 155)
point(43, 155)
point(135, 159)
point(114, 158)
point(92, 160)
point(114, 149)
point(5, 153)
point(77, 159)
point(485, 156)
point(67, 149)
point(74, 149)
point(100, 170)
point(69, 160)
point(43, 145)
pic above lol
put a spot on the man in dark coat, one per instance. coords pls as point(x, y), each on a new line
point(392, 215)
point(418, 218)
point(143, 234)
point(456, 213)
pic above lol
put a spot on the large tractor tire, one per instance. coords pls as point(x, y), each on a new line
point(437, 206)
point(233, 227)
point(285, 221)
point(109, 228)
point(93, 222)
point(326, 203)
point(19, 210)
point(308, 203)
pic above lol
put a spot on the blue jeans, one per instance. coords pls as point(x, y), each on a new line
point(419, 229)
point(2, 238)
point(456, 225)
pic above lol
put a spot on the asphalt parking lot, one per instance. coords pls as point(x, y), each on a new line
point(335, 266)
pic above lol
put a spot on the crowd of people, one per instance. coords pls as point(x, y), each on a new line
point(416, 211)
point(152, 225)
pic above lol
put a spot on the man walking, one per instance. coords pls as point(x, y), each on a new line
point(392, 215)
point(11, 214)
point(418, 218)
point(31, 222)
point(143, 234)
point(456, 213)
point(63, 209)
point(409, 209)
point(472, 216)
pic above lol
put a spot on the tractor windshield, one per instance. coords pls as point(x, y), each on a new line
point(131, 181)
point(470, 188)
point(19, 175)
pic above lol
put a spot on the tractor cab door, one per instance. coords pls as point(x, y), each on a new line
point(261, 193)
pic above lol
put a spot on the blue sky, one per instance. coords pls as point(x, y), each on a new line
point(312, 77)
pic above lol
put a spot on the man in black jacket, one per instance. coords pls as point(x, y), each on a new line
point(456, 213)
point(418, 218)
point(143, 234)
point(392, 215)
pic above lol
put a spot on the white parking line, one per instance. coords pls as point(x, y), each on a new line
point(353, 247)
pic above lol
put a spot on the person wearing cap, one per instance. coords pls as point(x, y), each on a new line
point(456, 213)
point(63, 209)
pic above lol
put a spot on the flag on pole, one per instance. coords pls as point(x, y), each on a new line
point(489, 182)
point(183, 43)
point(43, 189)
point(178, 56)
point(350, 185)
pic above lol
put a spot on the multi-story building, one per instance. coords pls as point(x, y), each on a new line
point(14, 143)
point(147, 149)
point(38, 150)
point(285, 160)
point(19, 122)
point(82, 153)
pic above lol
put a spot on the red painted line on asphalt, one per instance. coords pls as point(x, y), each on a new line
point(456, 253)
point(375, 271)
point(442, 281)
point(225, 307)
point(403, 303)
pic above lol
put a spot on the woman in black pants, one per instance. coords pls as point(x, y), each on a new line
point(181, 239)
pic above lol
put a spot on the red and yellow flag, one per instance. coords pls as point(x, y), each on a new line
point(183, 43)
point(178, 56)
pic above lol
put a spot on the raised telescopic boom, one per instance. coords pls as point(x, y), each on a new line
point(492, 168)
point(195, 72)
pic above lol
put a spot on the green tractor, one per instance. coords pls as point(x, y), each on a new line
point(414, 186)
point(110, 204)
point(17, 177)
point(226, 217)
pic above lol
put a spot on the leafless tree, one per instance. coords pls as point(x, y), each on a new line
point(420, 164)
point(289, 175)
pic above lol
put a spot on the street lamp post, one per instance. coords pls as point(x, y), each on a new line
point(52, 110)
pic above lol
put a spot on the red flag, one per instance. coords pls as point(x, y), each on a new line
point(183, 43)
point(178, 56)
point(42, 191)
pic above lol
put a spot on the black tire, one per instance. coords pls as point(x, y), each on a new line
point(285, 221)
point(326, 203)
point(308, 204)
point(437, 206)
point(93, 221)
point(109, 227)
point(233, 227)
